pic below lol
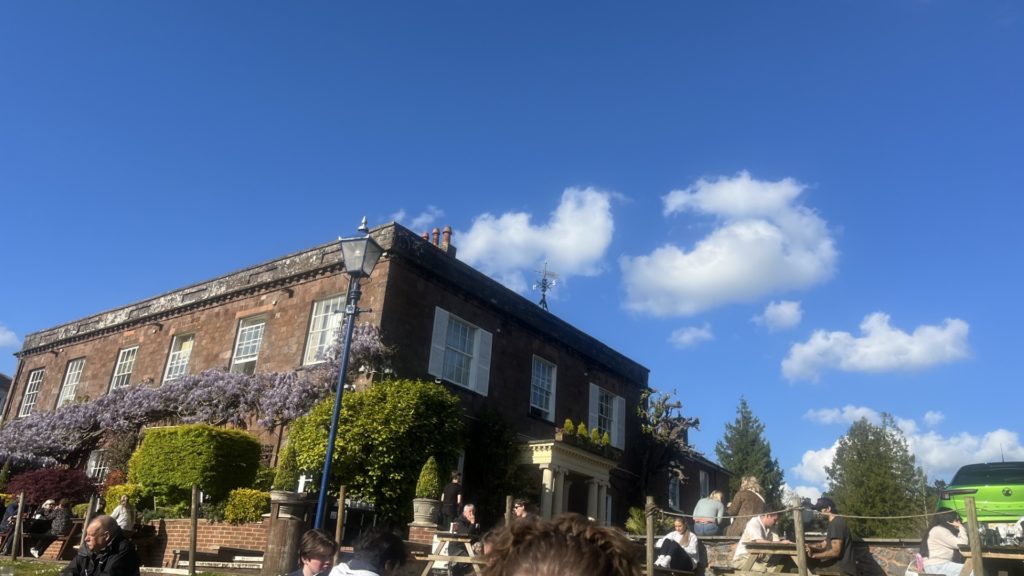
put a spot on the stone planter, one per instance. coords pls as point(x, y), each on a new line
point(424, 511)
point(586, 444)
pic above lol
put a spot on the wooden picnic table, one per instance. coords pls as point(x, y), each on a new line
point(439, 552)
point(990, 553)
point(755, 549)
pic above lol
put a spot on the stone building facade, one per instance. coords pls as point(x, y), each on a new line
point(447, 322)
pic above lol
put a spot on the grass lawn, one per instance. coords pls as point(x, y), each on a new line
point(32, 567)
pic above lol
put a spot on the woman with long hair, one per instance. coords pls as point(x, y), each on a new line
point(748, 503)
point(940, 546)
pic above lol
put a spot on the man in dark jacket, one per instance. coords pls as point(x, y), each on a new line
point(106, 552)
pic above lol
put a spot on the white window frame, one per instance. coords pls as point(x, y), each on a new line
point(96, 467)
point(28, 400)
point(248, 342)
point(447, 349)
point(124, 367)
point(178, 358)
point(72, 377)
point(543, 379)
point(616, 423)
point(324, 324)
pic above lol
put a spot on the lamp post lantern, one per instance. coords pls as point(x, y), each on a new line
point(360, 255)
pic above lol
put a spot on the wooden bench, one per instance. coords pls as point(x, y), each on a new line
point(722, 570)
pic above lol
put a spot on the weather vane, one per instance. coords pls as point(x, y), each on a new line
point(547, 281)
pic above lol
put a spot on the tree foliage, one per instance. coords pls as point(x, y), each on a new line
point(873, 473)
point(171, 460)
point(665, 440)
point(385, 434)
point(43, 483)
point(743, 451)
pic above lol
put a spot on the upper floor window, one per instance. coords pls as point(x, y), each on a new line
point(28, 401)
point(247, 347)
point(177, 360)
point(124, 367)
point(542, 389)
point(705, 484)
point(460, 352)
point(71, 379)
point(608, 414)
point(323, 327)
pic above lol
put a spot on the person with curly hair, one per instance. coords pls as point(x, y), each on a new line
point(748, 504)
point(568, 545)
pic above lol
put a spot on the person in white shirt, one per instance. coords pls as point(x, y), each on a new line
point(124, 515)
point(677, 550)
point(758, 529)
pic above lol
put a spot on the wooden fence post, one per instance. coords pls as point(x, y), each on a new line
point(339, 529)
point(89, 513)
point(798, 524)
point(16, 533)
point(508, 509)
point(974, 536)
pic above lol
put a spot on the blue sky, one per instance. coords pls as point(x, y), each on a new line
point(812, 204)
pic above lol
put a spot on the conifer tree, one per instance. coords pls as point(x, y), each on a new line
point(744, 452)
point(873, 473)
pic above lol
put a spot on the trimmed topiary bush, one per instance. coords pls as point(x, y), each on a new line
point(429, 483)
point(595, 436)
point(246, 505)
point(170, 460)
point(581, 430)
point(286, 476)
point(568, 428)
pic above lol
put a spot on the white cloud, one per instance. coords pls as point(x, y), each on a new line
point(422, 222)
point(933, 418)
point(765, 243)
point(691, 336)
point(7, 338)
point(811, 492)
point(846, 415)
point(780, 315)
point(811, 468)
point(940, 456)
point(573, 240)
point(880, 348)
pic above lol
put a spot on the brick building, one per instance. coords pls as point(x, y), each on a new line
point(447, 321)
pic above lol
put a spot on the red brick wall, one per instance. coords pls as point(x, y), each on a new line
point(174, 535)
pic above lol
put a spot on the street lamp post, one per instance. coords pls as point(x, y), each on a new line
point(360, 255)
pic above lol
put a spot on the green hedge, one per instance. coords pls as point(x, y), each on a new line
point(113, 496)
point(246, 505)
point(170, 460)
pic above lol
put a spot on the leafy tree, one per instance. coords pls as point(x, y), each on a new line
point(743, 451)
point(385, 434)
point(56, 483)
point(665, 441)
point(873, 473)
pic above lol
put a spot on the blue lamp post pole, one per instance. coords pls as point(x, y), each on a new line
point(360, 256)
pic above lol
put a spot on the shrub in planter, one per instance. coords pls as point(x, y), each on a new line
point(568, 428)
point(286, 476)
point(246, 505)
point(581, 430)
point(56, 483)
point(595, 437)
point(429, 483)
point(170, 460)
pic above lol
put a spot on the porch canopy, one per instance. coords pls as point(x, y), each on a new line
point(566, 472)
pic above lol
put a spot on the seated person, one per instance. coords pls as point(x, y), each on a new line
point(568, 545)
point(837, 547)
point(106, 552)
point(375, 553)
point(678, 549)
point(940, 545)
point(316, 553)
point(465, 525)
point(758, 529)
point(60, 521)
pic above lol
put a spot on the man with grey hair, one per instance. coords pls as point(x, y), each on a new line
point(465, 525)
point(106, 552)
